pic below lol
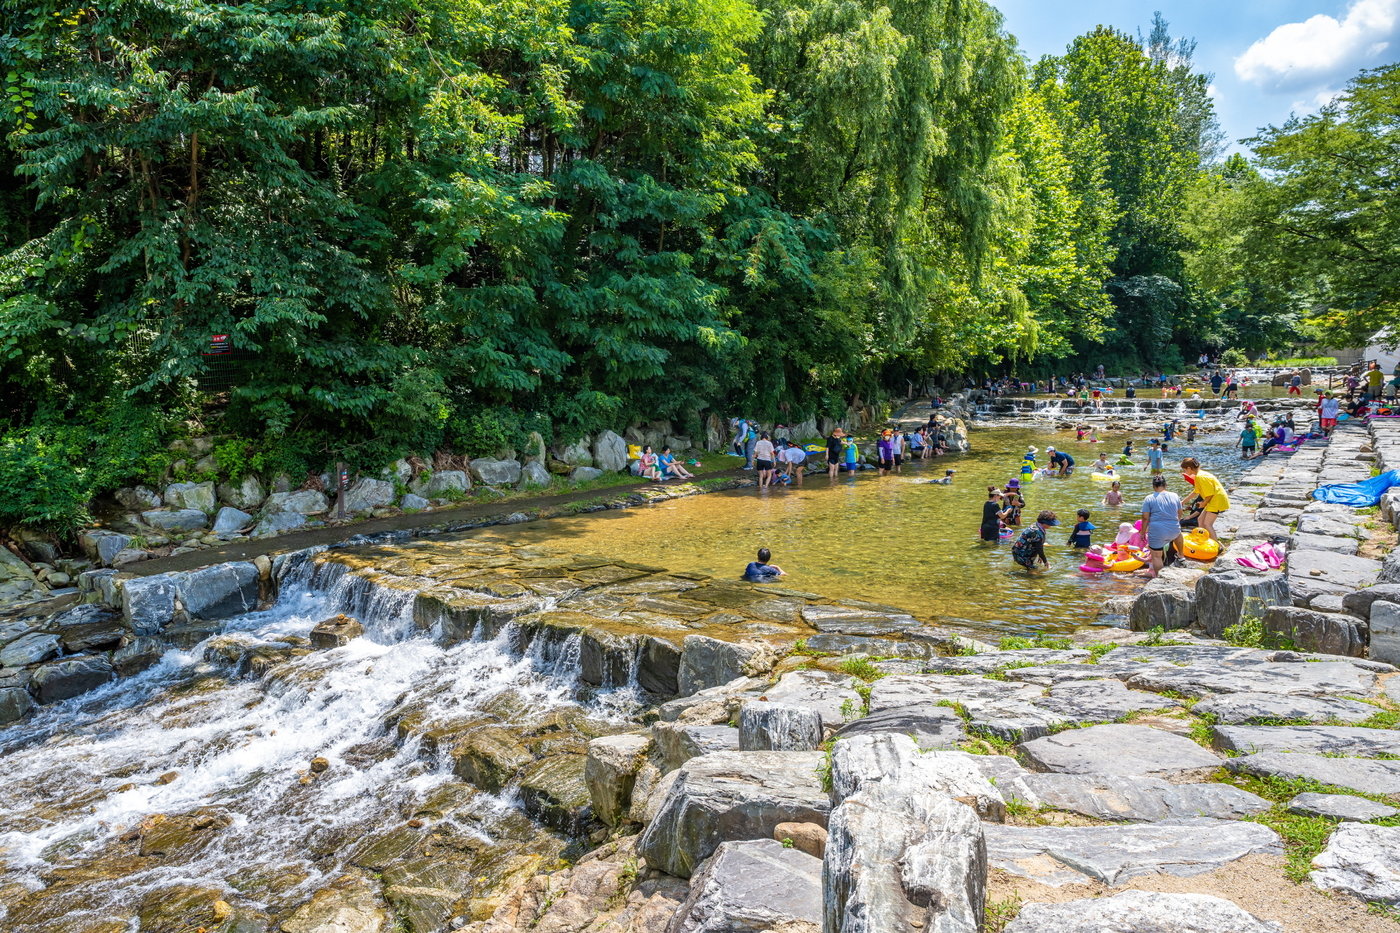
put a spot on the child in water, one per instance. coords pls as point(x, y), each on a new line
point(1114, 497)
point(1080, 536)
point(761, 571)
point(947, 479)
point(1190, 434)
point(1102, 465)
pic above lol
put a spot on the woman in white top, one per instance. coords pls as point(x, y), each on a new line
point(763, 460)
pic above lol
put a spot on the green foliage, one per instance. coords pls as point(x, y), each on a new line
point(39, 484)
point(1018, 642)
point(861, 667)
point(1234, 357)
point(1251, 634)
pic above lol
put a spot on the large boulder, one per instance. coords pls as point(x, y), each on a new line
point(1385, 631)
point(278, 523)
point(137, 655)
point(584, 474)
point(490, 472)
point(1361, 860)
point(1232, 597)
point(366, 495)
point(577, 454)
point(336, 632)
point(247, 494)
point(29, 649)
point(609, 452)
point(1359, 603)
point(535, 473)
point(1320, 632)
point(350, 905)
point(443, 484)
point(1140, 910)
point(148, 603)
point(753, 885)
point(230, 521)
point(137, 498)
point(177, 521)
point(200, 496)
point(709, 662)
point(778, 727)
point(929, 726)
point(611, 774)
point(14, 703)
point(1163, 604)
point(861, 762)
point(63, 680)
point(301, 502)
point(219, 592)
point(679, 742)
point(1125, 750)
point(728, 796)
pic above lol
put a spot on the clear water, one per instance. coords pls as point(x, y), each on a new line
point(900, 540)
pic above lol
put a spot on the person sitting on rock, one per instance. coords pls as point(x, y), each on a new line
point(761, 571)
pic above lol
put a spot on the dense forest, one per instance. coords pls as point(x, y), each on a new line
point(414, 224)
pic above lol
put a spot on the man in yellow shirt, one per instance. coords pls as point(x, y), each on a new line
point(1208, 489)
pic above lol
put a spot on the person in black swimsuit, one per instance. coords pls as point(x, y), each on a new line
point(991, 510)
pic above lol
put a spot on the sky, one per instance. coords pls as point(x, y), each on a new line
point(1270, 58)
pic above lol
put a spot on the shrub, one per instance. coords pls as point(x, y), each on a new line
point(41, 484)
point(1233, 357)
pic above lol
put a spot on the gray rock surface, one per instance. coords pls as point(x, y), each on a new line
point(442, 484)
point(110, 545)
point(576, 454)
point(137, 498)
point(246, 495)
point(412, 502)
point(63, 680)
point(1200, 679)
point(677, 743)
point(1329, 524)
point(609, 452)
point(179, 520)
point(14, 703)
point(1317, 631)
point(1359, 602)
point(930, 727)
point(137, 655)
point(1140, 800)
point(861, 762)
point(29, 649)
point(1163, 603)
point(302, 502)
point(148, 603)
point(219, 592)
point(1318, 740)
point(1229, 598)
point(753, 885)
point(1117, 749)
point(832, 696)
point(1100, 701)
point(1140, 912)
point(1369, 777)
point(536, 474)
point(1343, 807)
point(729, 796)
point(1234, 709)
point(1058, 855)
point(710, 662)
point(278, 523)
point(611, 773)
point(778, 727)
point(366, 495)
point(490, 472)
point(584, 474)
point(230, 521)
point(1385, 631)
point(1311, 572)
point(198, 496)
point(1361, 860)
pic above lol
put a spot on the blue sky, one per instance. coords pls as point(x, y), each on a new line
point(1270, 57)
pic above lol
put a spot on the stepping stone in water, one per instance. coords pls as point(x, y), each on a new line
point(1361, 860)
point(1369, 777)
point(1233, 709)
point(1117, 749)
point(1350, 741)
point(1140, 910)
point(1058, 855)
point(1340, 807)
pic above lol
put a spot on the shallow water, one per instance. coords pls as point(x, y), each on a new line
point(899, 540)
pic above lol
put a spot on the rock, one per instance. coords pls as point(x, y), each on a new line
point(148, 603)
point(1245, 708)
point(1299, 542)
point(109, 546)
point(319, 765)
point(1229, 598)
point(1368, 777)
point(1089, 701)
point(1326, 678)
point(302, 502)
point(246, 495)
point(804, 837)
point(753, 885)
point(584, 474)
point(553, 791)
point(929, 726)
point(278, 523)
point(1361, 860)
point(491, 472)
point(862, 762)
point(444, 484)
point(489, 757)
point(901, 858)
point(1317, 631)
point(1140, 912)
point(609, 452)
point(777, 727)
point(1117, 749)
point(1332, 524)
point(281, 482)
point(366, 495)
point(178, 521)
point(1359, 602)
point(1058, 855)
point(336, 632)
point(137, 655)
point(14, 703)
point(611, 774)
point(1143, 799)
point(577, 454)
point(63, 680)
point(219, 592)
point(536, 474)
point(137, 498)
point(197, 496)
point(350, 905)
point(729, 796)
point(1385, 631)
point(833, 697)
point(677, 743)
point(1312, 572)
point(1340, 807)
point(1163, 604)
point(1318, 740)
point(29, 649)
point(709, 662)
point(230, 521)
point(413, 503)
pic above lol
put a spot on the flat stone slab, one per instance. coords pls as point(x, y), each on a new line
point(1340, 807)
point(832, 696)
point(1140, 912)
point(993, 661)
point(1334, 572)
point(1100, 700)
point(930, 727)
point(1361, 860)
point(1237, 709)
point(1367, 776)
point(1109, 797)
point(1301, 542)
point(754, 885)
point(1117, 749)
point(1325, 678)
point(1058, 855)
point(1332, 524)
point(1318, 740)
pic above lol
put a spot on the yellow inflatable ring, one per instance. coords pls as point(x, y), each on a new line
point(1198, 546)
point(1105, 477)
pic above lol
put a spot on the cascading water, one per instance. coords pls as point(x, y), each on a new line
point(193, 741)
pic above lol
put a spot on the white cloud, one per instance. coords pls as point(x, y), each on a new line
point(1322, 50)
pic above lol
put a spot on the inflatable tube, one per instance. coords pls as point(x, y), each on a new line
point(1105, 477)
point(1126, 566)
point(1125, 461)
point(815, 448)
point(1198, 546)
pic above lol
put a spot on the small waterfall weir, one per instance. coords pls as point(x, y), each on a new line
point(253, 770)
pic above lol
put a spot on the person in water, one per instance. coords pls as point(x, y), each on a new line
point(1161, 524)
point(1030, 546)
point(1082, 533)
point(990, 529)
point(1102, 465)
point(1059, 460)
point(761, 570)
point(947, 479)
point(1114, 497)
point(833, 452)
point(1154, 457)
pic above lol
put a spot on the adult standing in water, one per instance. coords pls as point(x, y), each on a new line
point(763, 458)
point(991, 516)
point(1207, 489)
point(834, 450)
point(1030, 547)
point(1161, 523)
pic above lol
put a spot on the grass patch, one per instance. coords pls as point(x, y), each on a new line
point(999, 914)
point(1020, 643)
point(1098, 651)
point(996, 743)
point(1201, 732)
point(1385, 719)
point(1000, 672)
point(1157, 638)
point(1251, 634)
point(861, 667)
point(956, 707)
